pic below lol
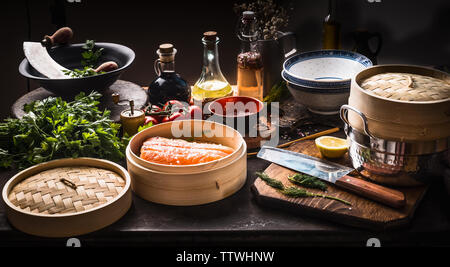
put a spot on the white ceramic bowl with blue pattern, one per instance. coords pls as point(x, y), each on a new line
point(321, 80)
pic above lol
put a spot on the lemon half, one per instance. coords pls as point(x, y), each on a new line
point(332, 147)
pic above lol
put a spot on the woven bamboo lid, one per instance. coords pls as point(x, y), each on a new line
point(407, 87)
point(67, 197)
point(67, 190)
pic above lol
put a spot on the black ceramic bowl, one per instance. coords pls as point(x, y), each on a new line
point(70, 58)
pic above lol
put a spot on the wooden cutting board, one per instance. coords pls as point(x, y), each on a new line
point(363, 213)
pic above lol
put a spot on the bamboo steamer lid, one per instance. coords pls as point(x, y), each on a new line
point(68, 198)
point(402, 103)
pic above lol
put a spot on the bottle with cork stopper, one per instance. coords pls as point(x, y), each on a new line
point(169, 85)
point(211, 84)
point(250, 74)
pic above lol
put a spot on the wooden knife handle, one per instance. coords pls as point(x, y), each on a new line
point(387, 196)
point(61, 36)
point(107, 67)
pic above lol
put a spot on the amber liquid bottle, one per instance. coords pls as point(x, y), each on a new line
point(332, 28)
point(250, 74)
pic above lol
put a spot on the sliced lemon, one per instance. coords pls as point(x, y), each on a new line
point(332, 147)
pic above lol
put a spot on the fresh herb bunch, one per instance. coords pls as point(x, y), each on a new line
point(54, 129)
point(86, 72)
point(308, 181)
point(271, 182)
point(277, 93)
point(91, 55)
point(294, 192)
point(271, 16)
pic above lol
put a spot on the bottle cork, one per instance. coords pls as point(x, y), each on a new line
point(210, 36)
point(167, 53)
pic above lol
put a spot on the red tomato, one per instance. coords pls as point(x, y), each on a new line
point(174, 106)
point(150, 119)
point(175, 116)
point(155, 109)
point(195, 113)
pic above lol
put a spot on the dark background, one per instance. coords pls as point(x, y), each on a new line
point(415, 32)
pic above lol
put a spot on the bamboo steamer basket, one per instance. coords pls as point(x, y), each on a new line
point(400, 120)
point(196, 186)
point(69, 197)
point(232, 138)
point(188, 189)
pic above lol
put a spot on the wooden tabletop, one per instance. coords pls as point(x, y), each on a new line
point(240, 221)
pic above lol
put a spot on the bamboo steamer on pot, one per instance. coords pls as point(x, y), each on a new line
point(402, 103)
point(398, 124)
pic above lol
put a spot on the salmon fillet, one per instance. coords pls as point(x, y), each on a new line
point(180, 152)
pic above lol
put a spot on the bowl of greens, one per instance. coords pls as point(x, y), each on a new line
point(83, 60)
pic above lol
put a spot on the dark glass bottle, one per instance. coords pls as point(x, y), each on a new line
point(332, 28)
point(169, 85)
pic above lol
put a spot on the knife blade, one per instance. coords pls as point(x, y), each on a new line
point(333, 173)
point(38, 57)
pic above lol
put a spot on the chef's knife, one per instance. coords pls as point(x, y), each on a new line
point(38, 57)
point(333, 173)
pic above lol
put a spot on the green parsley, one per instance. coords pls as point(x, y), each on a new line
point(55, 129)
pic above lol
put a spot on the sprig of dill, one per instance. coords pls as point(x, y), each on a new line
point(271, 182)
point(308, 181)
point(294, 192)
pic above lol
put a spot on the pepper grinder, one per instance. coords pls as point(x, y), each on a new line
point(131, 120)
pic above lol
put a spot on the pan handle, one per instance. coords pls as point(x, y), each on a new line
point(344, 116)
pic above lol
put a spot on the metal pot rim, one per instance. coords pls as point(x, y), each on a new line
point(396, 147)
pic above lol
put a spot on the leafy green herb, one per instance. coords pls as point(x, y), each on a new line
point(145, 127)
point(308, 181)
point(90, 58)
point(90, 54)
point(270, 182)
point(294, 192)
point(55, 129)
point(277, 93)
point(86, 72)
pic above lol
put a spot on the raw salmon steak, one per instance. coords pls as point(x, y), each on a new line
point(179, 152)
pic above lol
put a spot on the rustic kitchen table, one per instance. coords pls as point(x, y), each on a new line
point(240, 221)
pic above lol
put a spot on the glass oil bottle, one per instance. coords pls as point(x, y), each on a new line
point(212, 84)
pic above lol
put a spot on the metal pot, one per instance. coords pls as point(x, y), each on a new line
point(395, 163)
